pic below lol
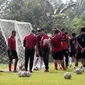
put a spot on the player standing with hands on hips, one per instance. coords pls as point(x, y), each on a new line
point(12, 54)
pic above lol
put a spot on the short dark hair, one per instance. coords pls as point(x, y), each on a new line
point(33, 31)
point(56, 31)
point(73, 34)
point(42, 29)
point(66, 32)
point(63, 29)
point(82, 29)
point(13, 31)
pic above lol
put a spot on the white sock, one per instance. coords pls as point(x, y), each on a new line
point(70, 60)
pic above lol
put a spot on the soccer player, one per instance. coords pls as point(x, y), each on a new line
point(72, 48)
point(81, 44)
point(65, 46)
point(39, 36)
point(57, 49)
point(30, 41)
point(45, 49)
point(12, 54)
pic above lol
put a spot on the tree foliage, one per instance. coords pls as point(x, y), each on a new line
point(45, 13)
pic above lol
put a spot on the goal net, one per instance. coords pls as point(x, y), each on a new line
point(6, 27)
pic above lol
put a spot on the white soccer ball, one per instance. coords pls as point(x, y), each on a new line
point(36, 68)
point(82, 70)
point(27, 74)
point(67, 75)
point(78, 71)
point(20, 73)
point(24, 74)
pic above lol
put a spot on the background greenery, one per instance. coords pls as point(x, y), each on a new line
point(46, 13)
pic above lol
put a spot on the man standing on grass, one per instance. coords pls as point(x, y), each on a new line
point(57, 49)
point(30, 41)
point(12, 54)
point(81, 44)
point(45, 49)
point(65, 46)
point(39, 36)
point(72, 48)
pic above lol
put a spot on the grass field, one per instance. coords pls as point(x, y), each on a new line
point(40, 78)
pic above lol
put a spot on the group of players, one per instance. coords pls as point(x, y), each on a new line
point(60, 45)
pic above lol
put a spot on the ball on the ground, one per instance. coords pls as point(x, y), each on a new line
point(36, 68)
point(24, 74)
point(67, 75)
point(78, 71)
point(82, 70)
point(20, 73)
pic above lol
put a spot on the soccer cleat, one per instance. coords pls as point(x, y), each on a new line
point(46, 70)
point(56, 67)
point(31, 71)
point(14, 70)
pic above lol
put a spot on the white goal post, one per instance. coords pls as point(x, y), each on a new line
point(6, 27)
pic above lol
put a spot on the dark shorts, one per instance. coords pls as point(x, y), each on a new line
point(57, 55)
point(12, 54)
point(78, 54)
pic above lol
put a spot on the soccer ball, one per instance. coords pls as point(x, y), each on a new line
point(67, 75)
point(20, 73)
point(78, 71)
point(27, 74)
point(45, 42)
point(82, 70)
point(24, 74)
point(36, 68)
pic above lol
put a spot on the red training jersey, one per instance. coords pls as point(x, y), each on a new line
point(65, 41)
point(12, 43)
point(45, 36)
point(30, 41)
point(56, 43)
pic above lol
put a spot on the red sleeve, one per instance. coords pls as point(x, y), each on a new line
point(9, 42)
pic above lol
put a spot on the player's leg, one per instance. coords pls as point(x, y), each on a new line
point(61, 59)
point(83, 60)
point(10, 64)
point(72, 54)
point(46, 59)
point(41, 62)
point(36, 61)
point(26, 59)
point(32, 51)
point(16, 60)
point(55, 60)
point(41, 59)
point(66, 58)
point(10, 60)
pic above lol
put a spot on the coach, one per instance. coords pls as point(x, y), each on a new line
point(30, 41)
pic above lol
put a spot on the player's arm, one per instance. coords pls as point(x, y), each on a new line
point(24, 42)
point(9, 46)
point(82, 49)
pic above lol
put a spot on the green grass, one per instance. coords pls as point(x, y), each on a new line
point(40, 78)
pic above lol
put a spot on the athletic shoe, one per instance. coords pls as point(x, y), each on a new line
point(46, 71)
